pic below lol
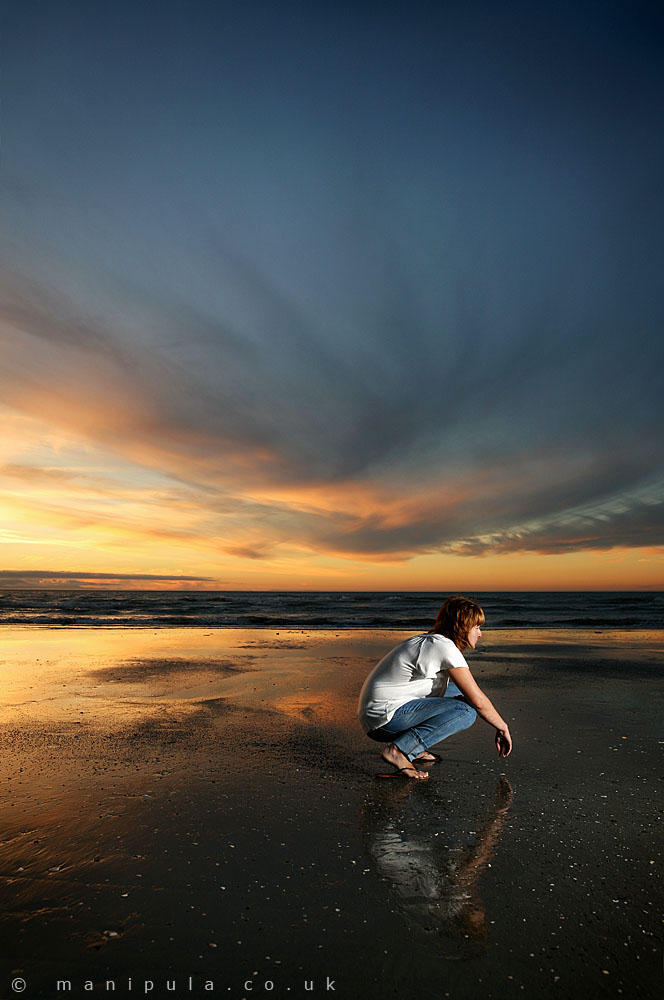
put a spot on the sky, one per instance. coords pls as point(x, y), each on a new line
point(346, 295)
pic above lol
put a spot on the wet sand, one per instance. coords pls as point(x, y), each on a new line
point(198, 809)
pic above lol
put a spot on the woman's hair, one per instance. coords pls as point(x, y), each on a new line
point(456, 618)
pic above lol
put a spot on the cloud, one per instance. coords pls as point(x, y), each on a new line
point(623, 522)
point(39, 579)
point(454, 459)
point(247, 552)
point(31, 308)
point(378, 308)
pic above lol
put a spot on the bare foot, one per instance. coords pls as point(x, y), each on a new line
point(392, 755)
point(426, 756)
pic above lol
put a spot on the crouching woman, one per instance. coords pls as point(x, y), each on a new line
point(422, 691)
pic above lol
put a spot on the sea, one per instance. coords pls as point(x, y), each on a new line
point(407, 610)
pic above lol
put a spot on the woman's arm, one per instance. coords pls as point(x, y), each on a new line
point(474, 695)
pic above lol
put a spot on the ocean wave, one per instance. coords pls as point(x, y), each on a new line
point(410, 610)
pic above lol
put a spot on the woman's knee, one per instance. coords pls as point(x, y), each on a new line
point(470, 714)
point(379, 736)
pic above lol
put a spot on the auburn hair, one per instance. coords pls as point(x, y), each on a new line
point(456, 618)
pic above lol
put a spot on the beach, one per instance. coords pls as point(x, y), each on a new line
point(193, 811)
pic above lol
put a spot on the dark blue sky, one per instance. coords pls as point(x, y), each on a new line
point(406, 257)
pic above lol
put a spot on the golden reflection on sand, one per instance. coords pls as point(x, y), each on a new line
point(105, 677)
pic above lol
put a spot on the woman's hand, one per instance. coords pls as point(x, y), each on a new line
point(503, 742)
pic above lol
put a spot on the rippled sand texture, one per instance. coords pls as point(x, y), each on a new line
point(187, 807)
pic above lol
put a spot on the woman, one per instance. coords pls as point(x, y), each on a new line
point(407, 700)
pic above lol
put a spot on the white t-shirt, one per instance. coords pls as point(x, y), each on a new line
point(413, 669)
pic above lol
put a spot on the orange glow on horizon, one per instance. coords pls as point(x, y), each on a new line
point(67, 506)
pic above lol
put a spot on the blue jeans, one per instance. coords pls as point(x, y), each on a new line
point(422, 723)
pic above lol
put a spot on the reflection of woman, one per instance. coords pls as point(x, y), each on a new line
point(435, 867)
point(406, 702)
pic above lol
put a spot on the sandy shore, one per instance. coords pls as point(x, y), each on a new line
point(198, 808)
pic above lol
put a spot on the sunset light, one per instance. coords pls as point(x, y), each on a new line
point(228, 361)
